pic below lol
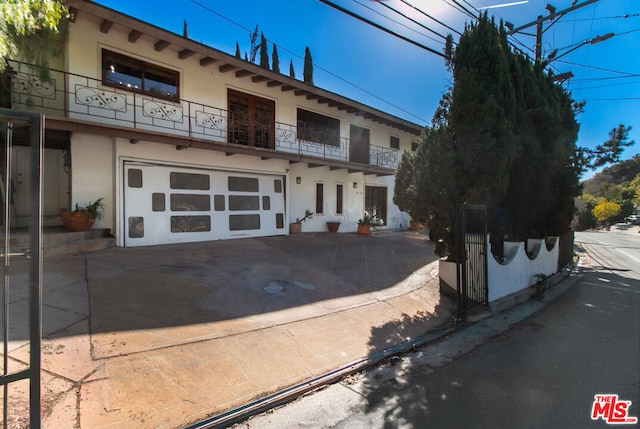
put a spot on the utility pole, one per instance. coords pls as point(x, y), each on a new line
point(538, 23)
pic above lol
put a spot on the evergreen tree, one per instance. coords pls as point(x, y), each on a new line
point(264, 54)
point(238, 55)
point(292, 72)
point(275, 61)
point(307, 72)
point(504, 135)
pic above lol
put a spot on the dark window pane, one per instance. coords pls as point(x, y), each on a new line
point(158, 203)
point(159, 82)
point(218, 203)
point(134, 178)
point(313, 127)
point(244, 202)
point(190, 223)
point(189, 181)
point(136, 75)
point(136, 227)
point(243, 184)
point(190, 203)
point(339, 193)
point(277, 186)
point(394, 142)
point(279, 220)
point(319, 198)
point(244, 222)
point(266, 203)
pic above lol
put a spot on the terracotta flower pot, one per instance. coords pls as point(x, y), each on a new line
point(76, 221)
point(364, 229)
point(295, 227)
point(333, 226)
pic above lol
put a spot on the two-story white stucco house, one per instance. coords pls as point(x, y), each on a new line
point(186, 143)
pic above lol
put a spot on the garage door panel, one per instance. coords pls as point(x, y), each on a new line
point(165, 204)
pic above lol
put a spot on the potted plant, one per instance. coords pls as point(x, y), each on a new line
point(82, 218)
point(365, 223)
point(296, 227)
point(333, 225)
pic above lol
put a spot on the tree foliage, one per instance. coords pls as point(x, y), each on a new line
point(264, 53)
point(275, 61)
point(606, 210)
point(307, 72)
point(503, 135)
point(32, 29)
point(292, 72)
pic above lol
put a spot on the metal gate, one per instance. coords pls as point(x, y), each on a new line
point(21, 255)
point(472, 258)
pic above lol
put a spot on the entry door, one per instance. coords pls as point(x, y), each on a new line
point(359, 145)
point(375, 201)
point(166, 204)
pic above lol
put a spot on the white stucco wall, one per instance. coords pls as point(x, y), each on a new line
point(93, 174)
point(518, 271)
point(98, 160)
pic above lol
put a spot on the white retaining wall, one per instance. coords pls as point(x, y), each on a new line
point(517, 271)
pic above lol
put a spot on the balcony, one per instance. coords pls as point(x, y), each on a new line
point(84, 102)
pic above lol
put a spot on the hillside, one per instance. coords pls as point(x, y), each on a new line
point(607, 182)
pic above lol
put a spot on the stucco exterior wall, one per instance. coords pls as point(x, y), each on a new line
point(93, 173)
point(519, 271)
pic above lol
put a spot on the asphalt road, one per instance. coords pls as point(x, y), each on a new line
point(536, 366)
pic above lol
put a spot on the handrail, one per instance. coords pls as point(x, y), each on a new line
point(74, 96)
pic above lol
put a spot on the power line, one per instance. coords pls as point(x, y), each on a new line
point(431, 17)
point(382, 28)
point(249, 31)
point(404, 25)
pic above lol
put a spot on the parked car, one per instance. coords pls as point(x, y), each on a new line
point(633, 219)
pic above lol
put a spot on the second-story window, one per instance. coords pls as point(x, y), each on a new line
point(136, 75)
point(394, 142)
point(316, 128)
point(251, 120)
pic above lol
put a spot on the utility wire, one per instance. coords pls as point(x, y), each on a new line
point(431, 17)
point(404, 25)
point(413, 20)
point(380, 27)
point(315, 65)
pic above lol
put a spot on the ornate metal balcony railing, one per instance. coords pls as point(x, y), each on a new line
point(83, 98)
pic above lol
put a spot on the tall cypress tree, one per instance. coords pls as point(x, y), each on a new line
point(264, 54)
point(307, 72)
point(504, 135)
point(292, 72)
point(275, 61)
point(238, 55)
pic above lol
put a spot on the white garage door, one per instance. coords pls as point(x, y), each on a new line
point(165, 204)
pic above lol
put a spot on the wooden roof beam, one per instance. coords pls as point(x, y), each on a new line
point(226, 68)
point(243, 73)
point(161, 45)
point(134, 35)
point(185, 53)
point(207, 60)
point(105, 26)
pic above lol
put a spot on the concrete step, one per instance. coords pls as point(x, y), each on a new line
point(59, 241)
point(71, 247)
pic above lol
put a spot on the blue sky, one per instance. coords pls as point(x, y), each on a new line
point(363, 63)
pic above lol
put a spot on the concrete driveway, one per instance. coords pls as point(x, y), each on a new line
point(164, 336)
